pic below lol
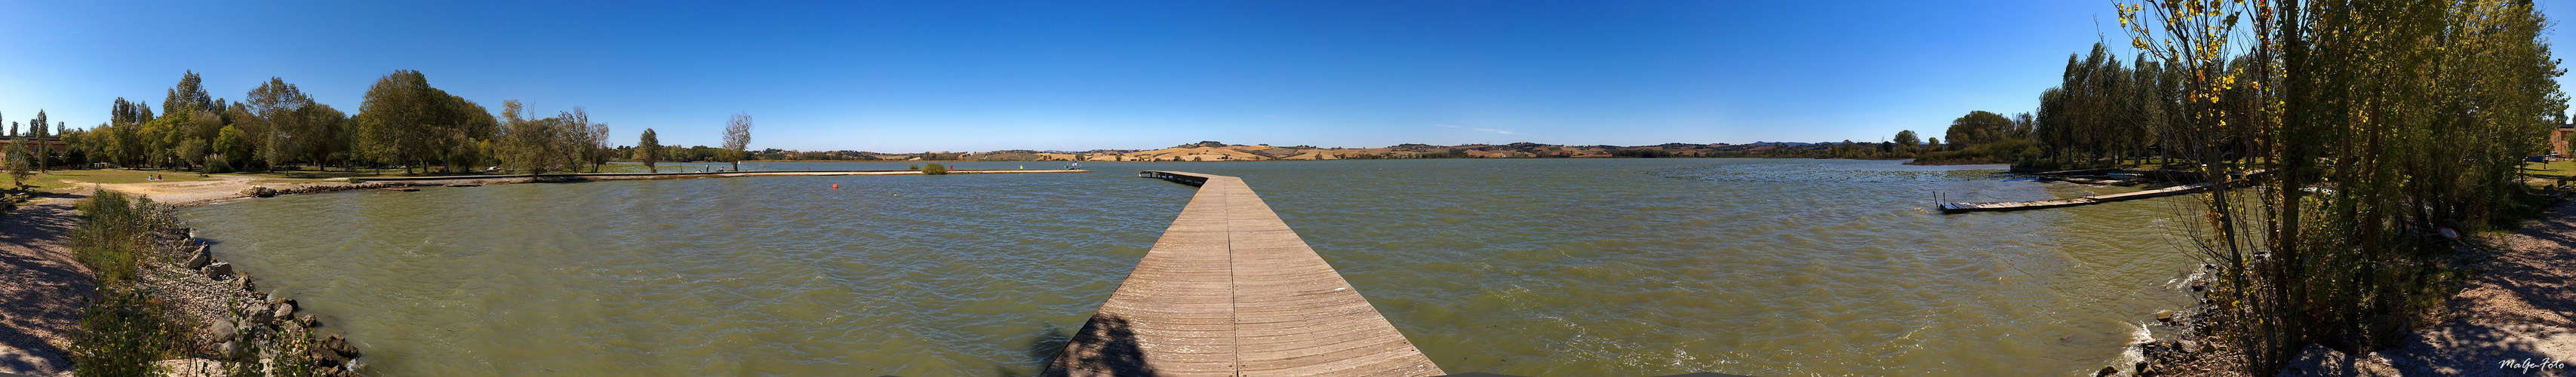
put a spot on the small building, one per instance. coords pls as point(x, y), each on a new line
point(2559, 137)
point(56, 144)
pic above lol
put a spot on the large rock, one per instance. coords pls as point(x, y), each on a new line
point(337, 344)
point(200, 258)
point(260, 315)
point(2317, 360)
point(217, 270)
point(329, 358)
point(285, 310)
point(222, 331)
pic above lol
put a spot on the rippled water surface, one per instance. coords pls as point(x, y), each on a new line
point(1527, 267)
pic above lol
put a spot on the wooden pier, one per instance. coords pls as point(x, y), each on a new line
point(1965, 207)
point(2234, 178)
point(1230, 290)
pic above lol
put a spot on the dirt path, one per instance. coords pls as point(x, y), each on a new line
point(41, 287)
point(2517, 319)
point(2522, 310)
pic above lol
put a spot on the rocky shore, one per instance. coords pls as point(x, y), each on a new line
point(309, 188)
point(232, 315)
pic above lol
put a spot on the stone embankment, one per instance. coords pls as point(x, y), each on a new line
point(266, 191)
point(229, 310)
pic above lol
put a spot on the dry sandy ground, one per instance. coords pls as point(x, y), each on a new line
point(223, 187)
point(41, 287)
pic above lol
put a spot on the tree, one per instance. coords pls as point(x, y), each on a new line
point(43, 150)
point(531, 146)
point(191, 151)
point(397, 120)
point(585, 142)
point(1932, 144)
point(1906, 140)
point(190, 93)
point(1978, 127)
point(232, 142)
point(277, 119)
point(2375, 124)
point(737, 139)
point(20, 164)
point(406, 121)
point(648, 149)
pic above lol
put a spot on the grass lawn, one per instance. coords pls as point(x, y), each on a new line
point(2552, 170)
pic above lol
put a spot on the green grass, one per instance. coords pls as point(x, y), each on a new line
point(2552, 170)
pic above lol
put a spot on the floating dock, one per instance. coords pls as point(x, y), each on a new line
point(1229, 290)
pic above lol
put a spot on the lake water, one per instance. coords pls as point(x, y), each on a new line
point(1544, 267)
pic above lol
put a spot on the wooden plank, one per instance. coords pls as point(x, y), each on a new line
point(1230, 290)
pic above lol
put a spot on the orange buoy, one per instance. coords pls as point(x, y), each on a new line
point(836, 186)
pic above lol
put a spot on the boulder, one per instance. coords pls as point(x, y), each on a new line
point(2106, 371)
point(260, 314)
point(284, 310)
point(217, 270)
point(222, 331)
point(329, 358)
point(2187, 346)
point(200, 258)
point(337, 344)
point(308, 321)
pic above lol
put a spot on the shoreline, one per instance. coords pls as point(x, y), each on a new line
point(2517, 309)
point(47, 287)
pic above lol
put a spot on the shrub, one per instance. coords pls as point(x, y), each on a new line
point(218, 164)
point(122, 332)
point(19, 164)
point(115, 231)
point(934, 169)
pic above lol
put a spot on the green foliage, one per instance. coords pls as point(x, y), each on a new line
point(1635, 153)
point(405, 121)
point(231, 141)
point(122, 332)
point(933, 169)
point(20, 163)
point(115, 232)
point(1999, 152)
point(2376, 123)
point(648, 149)
point(737, 140)
point(217, 164)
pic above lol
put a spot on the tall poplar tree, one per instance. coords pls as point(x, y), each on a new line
point(648, 150)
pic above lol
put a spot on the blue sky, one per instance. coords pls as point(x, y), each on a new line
point(897, 76)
